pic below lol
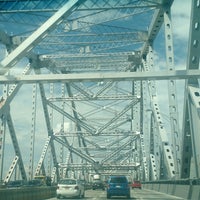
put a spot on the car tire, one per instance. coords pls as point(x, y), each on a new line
point(83, 195)
point(79, 196)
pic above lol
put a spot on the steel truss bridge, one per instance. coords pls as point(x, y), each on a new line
point(79, 90)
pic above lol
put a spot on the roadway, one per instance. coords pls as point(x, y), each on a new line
point(135, 194)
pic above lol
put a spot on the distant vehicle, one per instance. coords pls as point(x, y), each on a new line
point(136, 184)
point(96, 177)
point(45, 180)
point(98, 184)
point(48, 180)
point(34, 182)
point(17, 183)
point(70, 188)
point(118, 186)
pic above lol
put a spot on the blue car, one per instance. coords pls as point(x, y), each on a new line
point(118, 186)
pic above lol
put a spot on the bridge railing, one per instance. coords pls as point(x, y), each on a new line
point(185, 188)
point(28, 193)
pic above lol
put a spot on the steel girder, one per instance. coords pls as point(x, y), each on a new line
point(125, 76)
point(37, 36)
point(190, 132)
point(87, 40)
point(173, 105)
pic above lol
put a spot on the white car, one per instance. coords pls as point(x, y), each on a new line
point(70, 188)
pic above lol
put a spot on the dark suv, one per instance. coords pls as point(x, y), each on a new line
point(118, 186)
point(97, 184)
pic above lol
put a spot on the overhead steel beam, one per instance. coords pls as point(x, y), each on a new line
point(116, 152)
point(155, 26)
point(128, 107)
point(118, 76)
point(38, 35)
point(87, 21)
point(104, 167)
point(68, 88)
point(116, 56)
point(75, 150)
point(82, 90)
point(81, 123)
point(91, 38)
point(96, 97)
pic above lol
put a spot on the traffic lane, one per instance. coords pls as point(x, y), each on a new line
point(136, 194)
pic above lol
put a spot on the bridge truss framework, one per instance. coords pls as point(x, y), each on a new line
point(79, 90)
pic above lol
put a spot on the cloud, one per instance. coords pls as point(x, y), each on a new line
point(181, 11)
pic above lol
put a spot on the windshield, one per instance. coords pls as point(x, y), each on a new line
point(118, 180)
point(68, 182)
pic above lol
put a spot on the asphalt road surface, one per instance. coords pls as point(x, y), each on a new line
point(135, 194)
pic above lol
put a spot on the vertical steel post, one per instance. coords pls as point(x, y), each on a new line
point(173, 107)
point(32, 139)
point(192, 63)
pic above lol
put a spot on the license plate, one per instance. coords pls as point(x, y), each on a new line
point(118, 186)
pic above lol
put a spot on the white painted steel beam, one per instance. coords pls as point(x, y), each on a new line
point(76, 151)
point(154, 27)
point(194, 109)
point(11, 169)
point(82, 124)
point(172, 94)
point(14, 139)
point(192, 64)
point(37, 36)
point(118, 76)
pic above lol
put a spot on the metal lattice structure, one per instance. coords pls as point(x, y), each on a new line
point(79, 90)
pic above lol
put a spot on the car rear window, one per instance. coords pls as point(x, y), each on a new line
point(68, 182)
point(136, 181)
point(118, 179)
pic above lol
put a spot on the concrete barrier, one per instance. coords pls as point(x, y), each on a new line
point(190, 192)
point(171, 189)
point(29, 193)
point(163, 188)
point(150, 187)
point(156, 187)
point(182, 191)
point(195, 193)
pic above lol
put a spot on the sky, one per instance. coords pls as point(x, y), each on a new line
point(180, 21)
point(180, 14)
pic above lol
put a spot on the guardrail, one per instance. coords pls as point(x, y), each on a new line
point(28, 193)
point(187, 188)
